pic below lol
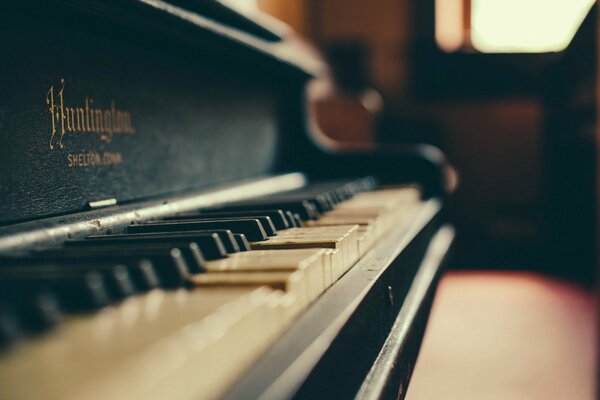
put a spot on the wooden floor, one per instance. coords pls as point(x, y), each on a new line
point(504, 336)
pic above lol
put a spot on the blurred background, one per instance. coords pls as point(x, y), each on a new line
point(507, 90)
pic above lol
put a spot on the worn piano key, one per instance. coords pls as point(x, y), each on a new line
point(265, 221)
point(293, 282)
point(252, 228)
point(177, 337)
point(311, 261)
point(77, 291)
point(277, 216)
point(168, 262)
point(210, 243)
point(342, 238)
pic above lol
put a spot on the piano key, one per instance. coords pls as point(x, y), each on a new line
point(311, 261)
point(305, 209)
point(192, 256)
point(242, 242)
point(277, 216)
point(76, 291)
point(10, 330)
point(168, 262)
point(298, 220)
point(142, 273)
point(342, 238)
point(293, 282)
point(293, 219)
point(321, 202)
point(211, 243)
point(264, 220)
point(36, 311)
point(252, 228)
point(117, 278)
point(225, 235)
point(177, 335)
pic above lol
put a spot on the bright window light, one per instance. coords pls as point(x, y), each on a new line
point(525, 26)
point(449, 24)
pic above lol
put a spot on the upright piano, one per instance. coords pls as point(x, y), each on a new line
point(174, 225)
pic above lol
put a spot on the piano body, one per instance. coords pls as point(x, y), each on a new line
point(171, 225)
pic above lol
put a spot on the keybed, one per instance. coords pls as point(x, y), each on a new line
point(205, 291)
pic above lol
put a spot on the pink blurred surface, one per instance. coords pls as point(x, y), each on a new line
point(497, 335)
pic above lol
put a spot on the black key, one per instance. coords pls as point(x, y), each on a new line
point(265, 221)
point(10, 330)
point(277, 216)
point(252, 228)
point(298, 220)
point(192, 255)
point(141, 273)
point(210, 242)
point(305, 209)
point(144, 275)
point(292, 219)
point(242, 242)
point(117, 279)
point(37, 311)
point(168, 262)
point(319, 201)
point(76, 291)
point(225, 235)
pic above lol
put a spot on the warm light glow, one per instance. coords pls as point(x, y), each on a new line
point(241, 5)
point(525, 26)
point(449, 26)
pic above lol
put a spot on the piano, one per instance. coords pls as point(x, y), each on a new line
point(174, 225)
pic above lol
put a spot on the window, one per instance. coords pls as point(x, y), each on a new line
point(508, 26)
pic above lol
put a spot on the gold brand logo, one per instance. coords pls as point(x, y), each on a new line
point(87, 118)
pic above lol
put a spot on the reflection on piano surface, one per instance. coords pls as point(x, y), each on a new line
point(195, 267)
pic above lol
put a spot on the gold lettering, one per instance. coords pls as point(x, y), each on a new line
point(62, 113)
point(87, 114)
point(65, 118)
point(91, 116)
point(50, 102)
point(70, 116)
point(99, 120)
point(107, 127)
point(80, 114)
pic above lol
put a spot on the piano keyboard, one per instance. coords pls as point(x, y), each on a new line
point(180, 307)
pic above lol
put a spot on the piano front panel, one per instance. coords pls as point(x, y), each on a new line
point(97, 108)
